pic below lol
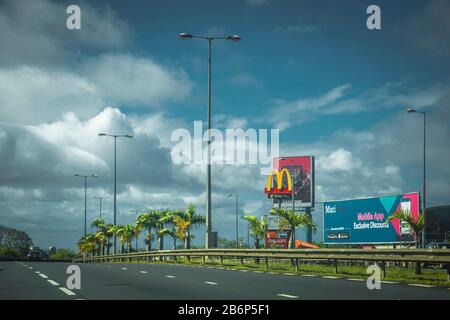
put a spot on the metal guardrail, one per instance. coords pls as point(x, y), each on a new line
point(381, 256)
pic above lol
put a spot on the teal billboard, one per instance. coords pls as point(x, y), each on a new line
point(363, 221)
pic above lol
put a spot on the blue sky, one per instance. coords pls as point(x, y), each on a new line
point(312, 69)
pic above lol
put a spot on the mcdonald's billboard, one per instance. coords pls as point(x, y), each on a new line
point(299, 181)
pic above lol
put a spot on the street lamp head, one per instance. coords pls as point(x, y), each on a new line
point(410, 110)
point(233, 37)
point(95, 175)
point(128, 136)
point(185, 36)
point(77, 175)
point(102, 134)
point(228, 194)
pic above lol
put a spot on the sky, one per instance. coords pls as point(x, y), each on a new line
point(311, 69)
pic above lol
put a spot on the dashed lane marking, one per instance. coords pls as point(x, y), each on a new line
point(53, 282)
point(308, 275)
point(421, 285)
point(67, 291)
point(330, 277)
point(211, 283)
point(124, 268)
point(171, 277)
point(43, 275)
point(351, 279)
point(287, 296)
point(143, 272)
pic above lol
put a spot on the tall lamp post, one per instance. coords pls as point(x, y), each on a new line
point(115, 136)
point(85, 197)
point(100, 199)
point(208, 165)
point(237, 217)
point(424, 185)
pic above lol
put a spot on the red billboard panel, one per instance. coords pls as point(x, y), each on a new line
point(301, 170)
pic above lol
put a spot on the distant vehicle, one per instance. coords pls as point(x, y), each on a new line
point(438, 245)
point(34, 256)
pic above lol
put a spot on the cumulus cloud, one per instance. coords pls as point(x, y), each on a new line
point(125, 79)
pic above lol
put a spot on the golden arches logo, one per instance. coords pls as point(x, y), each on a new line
point(280, 176)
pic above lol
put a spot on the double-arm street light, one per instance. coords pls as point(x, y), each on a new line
point(85, 197)
point(237, 217)
point(424, 185)
point(115, 136)
point(208, 165)
point(101, 198)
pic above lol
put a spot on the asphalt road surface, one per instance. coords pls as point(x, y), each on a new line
point(45, 280)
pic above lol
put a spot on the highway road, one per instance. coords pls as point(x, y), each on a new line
point(45, 280)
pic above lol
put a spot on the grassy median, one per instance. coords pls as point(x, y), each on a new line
point(403, 274)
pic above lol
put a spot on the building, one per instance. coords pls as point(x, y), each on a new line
point(438, 224)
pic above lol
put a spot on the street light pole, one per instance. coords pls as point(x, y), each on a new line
point(115, 136)
point(100, 199)
point(424, 185)
point(208, 165)
point(237, 217)
point(85, 197)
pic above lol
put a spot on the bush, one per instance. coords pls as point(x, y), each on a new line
point(62, 254)
point(10, 253)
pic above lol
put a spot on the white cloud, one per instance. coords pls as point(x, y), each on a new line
point(339, 101)
point(125, 79)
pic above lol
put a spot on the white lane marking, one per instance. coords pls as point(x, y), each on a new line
point(286, 296)
point(351, 279)
point(30, 268)
point(289, 274)
point(67, 291)
point(143, 272)
point(244, 271)
point(171, 277)
point(330, 277)
point(309, 275)
point(211, 283)
point(271, 272)
point(233, 269)
point(258, 272)
point(53, 282)
point(43, 275)
point(421, 285)
point(391, 282)
point(37, 272)
point(124, 268)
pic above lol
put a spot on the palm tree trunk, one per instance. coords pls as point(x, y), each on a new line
point(187, 240)
point(174, 243)
point(161, 242)
point(291, 238)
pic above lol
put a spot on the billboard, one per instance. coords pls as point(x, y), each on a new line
point(277, 235)
point(301, 171)
point(363, 220)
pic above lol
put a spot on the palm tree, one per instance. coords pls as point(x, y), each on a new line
point(118, 231)
point(257, 228)
point(147, 221)
point(293, 220)
point(101, 234)
point(184, 220)
point(101, 240)
point(87, 244)
point(160, 226)
point(416, 225)
point(129, 232)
